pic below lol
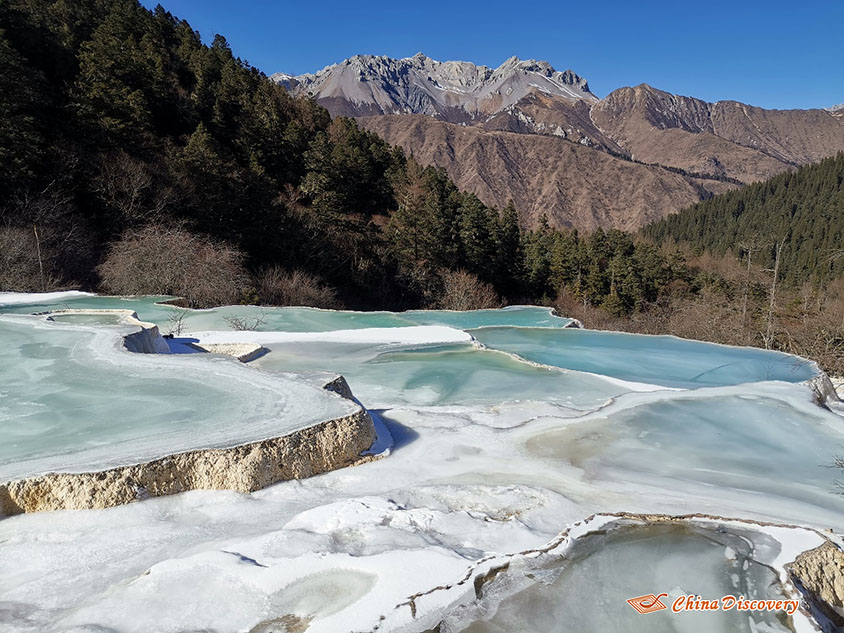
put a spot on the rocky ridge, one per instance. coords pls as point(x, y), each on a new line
point(366, 85)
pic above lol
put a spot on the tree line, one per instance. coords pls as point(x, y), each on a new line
point(802, 210)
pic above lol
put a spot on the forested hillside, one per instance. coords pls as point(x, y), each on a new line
point(117, 122)
point(800, 212)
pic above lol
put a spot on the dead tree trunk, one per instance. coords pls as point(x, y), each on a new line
point(40, 260)
point(772, 303)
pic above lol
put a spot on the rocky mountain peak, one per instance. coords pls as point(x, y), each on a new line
point(452, 90)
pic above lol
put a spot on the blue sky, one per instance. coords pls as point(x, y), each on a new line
point(774, 54)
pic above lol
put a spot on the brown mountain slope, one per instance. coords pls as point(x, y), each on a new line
point(540, 113)
point(725, 138)
point(573, 185)
point(799, 136)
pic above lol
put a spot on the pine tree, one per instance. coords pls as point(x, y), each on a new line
point(22, 143)
point(509, 252)
point(479, 238)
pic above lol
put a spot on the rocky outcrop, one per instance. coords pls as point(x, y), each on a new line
point(820, 573)
point(339, 386)
point(317, 449)
point(823, 389)
point(726, 138)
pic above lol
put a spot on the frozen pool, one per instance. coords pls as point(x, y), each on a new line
point(662, 360)
point(268, 319)
point(88, 319)
point(584, 591)
point(72, 399)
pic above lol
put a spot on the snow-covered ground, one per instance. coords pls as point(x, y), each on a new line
point(30, 298)
point(494, 459)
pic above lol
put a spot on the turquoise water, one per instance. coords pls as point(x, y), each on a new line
point(295, 319)
point(64, 389)
point(533, 333)
point(660, 360)
point(87, 319)
point(457, 373)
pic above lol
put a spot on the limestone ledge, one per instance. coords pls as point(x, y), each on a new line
point(317, 449)
point(244, 352)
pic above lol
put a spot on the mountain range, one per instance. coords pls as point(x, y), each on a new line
point(529, 133)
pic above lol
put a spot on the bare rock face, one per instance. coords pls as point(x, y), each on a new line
point(821, 573)
point(366, 85)
point(545, 114)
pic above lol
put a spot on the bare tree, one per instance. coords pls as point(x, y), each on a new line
point(129, 187)
point(62, 233)
point(21, 265)
point(748, 246)
point(172, 261)
point(768, 336)
point(40, 258)
point(176, 322)
point(245, 323)
point(461, 290)
point(277, 286)
point(44, 224)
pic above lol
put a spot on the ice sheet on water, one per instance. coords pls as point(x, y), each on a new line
point(661, 360)
point(464, 488)
point(768, 440)
point(33, 298)
point(449, 373)
point(285, 319)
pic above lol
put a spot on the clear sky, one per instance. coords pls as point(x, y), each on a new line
point(775, 54)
